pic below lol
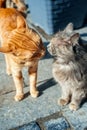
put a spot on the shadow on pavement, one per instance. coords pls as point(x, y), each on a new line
point(47, 84)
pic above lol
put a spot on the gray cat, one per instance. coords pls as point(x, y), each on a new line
point(69, 67)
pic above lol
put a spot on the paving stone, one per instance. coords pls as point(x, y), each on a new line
point(30, 126)
point(77, 119)
point(57, 124)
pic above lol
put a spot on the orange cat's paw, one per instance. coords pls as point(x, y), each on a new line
point(73, 107)
point(19, 97)
point(34, 94)
point(62, 102)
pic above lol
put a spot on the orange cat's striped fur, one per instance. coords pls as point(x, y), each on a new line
point(22, 47)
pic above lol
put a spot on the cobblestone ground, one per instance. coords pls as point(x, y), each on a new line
point(42, 113)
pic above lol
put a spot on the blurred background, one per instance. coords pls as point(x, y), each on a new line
point(54, 15)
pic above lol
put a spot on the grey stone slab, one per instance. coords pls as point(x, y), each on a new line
point(30, 126)
point(57, 124)
point(77, 119)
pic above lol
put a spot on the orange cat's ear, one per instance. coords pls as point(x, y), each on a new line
point(20, 5)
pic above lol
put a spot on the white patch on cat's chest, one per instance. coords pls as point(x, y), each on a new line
point(65, 67)
point(62, 67)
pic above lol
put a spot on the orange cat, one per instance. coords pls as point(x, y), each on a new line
point(22, 47)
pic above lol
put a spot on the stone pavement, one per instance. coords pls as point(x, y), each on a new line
point(42, 113)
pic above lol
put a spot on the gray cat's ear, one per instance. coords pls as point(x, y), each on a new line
point(69, 28)
point(74, 38)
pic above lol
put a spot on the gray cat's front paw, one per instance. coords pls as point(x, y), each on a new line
point(62, 101)
point(73, 106)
